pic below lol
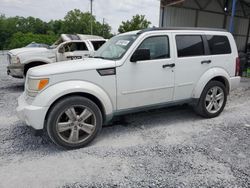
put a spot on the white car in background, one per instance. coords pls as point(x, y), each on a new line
point(132, 72)
point(67, 47)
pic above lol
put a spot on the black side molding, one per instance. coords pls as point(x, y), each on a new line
point(107, 71)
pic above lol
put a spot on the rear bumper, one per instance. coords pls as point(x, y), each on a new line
point(15, 70)
point(234, 82)
point(34, 116)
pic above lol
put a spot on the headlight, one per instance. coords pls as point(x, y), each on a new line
point(36, 85)
point(15, 59)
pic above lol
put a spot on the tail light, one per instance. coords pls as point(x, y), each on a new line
point(237, 68)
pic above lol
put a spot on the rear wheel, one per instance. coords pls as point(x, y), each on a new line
point(74, 122)
point(213, 100)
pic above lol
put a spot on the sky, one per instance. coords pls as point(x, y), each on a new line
point(113, 11)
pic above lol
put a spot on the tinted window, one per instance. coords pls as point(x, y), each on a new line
point(189, 45)
point(218, 45)
point(97, 44)
point(158, 46)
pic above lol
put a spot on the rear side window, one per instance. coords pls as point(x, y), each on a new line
point(189, 45)
point(218, 44)
point(97, 44)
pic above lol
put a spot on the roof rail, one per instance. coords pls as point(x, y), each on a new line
point(180, 28)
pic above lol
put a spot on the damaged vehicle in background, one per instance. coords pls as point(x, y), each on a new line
point(67, 47)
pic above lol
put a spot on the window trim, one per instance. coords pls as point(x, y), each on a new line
point(168, 45)
point(204, 42)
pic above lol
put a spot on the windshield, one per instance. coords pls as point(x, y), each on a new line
point(116, 47)
point(37, 45)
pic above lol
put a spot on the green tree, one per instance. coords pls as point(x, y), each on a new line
point(19, 31)
point(136, 23)
point(80, 22)
point(56, 26)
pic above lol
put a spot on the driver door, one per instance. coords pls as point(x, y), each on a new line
point(73, 51)
point(148, 82)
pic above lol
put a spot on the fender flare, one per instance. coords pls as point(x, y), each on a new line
point(49, 95)
point(206, 77)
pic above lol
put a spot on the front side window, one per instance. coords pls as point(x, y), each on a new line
point(218, 45)
point(81, 46)
point(189, 45)
point(158, 47)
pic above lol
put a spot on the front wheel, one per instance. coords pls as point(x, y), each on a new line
point(213, 100)
point(74, 122)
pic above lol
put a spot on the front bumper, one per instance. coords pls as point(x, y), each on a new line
point(234, 82)
point(34, 116)
point(15, 70)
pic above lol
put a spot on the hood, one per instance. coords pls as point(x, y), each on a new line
point(22, 50)
point(70, 66)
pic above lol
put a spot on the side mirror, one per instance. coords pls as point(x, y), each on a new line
point(61, 50)
point(140, 55)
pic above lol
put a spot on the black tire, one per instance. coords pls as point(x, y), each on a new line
point(31, 65)
point(59, 108)
point(201, 109)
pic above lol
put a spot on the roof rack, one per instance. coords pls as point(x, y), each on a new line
point(180, 28)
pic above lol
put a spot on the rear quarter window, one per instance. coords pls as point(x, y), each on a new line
point(218, 45)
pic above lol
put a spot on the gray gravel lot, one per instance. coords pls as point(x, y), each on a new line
point(170, 147)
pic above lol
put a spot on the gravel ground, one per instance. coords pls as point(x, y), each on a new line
point(161, 148)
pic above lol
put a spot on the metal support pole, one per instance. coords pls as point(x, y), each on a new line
point(196, 18)
point(91, 12)
point(162, 16)
point(231, 26)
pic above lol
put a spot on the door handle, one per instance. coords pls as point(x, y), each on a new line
point(168, 65)
point(206, 61)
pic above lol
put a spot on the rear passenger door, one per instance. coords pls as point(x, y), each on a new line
point(192, 61)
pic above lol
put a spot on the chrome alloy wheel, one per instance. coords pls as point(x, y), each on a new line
point(76, 124)
point(214, 99)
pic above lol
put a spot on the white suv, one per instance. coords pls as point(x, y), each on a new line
point(132, 72)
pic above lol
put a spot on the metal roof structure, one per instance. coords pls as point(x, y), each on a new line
point(232, 15)
point(242, 8)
